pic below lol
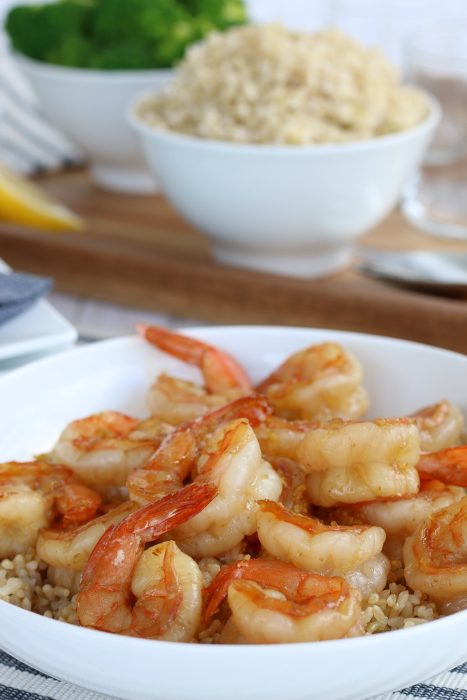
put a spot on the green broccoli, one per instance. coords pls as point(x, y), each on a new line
point(221, 13)
point(72, 51)
point(128, 55)
point(117, 20)
point(117, 34)
point(36, 29)
point(168, 26)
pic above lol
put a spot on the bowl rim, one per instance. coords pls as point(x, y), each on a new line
point(95, 75)
point(426, 126)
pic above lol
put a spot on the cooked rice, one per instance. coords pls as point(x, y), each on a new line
point(267, 85)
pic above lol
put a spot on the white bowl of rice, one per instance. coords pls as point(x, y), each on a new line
point(284, 147)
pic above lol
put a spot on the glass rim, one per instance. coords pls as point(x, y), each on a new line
point(365, 9)
point(445, 27)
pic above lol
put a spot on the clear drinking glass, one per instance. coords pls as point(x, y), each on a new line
point(436, 199)
point(387, 23)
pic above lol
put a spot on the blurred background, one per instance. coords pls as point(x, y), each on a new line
point(426, 40)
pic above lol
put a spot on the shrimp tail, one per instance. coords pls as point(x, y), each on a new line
point(270, 573)
point(254, 408)
point(104, 598)
point(77, 503)
point(221, 372)
point(448, 465)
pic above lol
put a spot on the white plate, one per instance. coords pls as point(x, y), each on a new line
point(38, 400)
point(38, 329)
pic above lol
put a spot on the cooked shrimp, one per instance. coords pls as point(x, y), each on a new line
point(293, 494)
point(232, 461)
point(272, 602)
point(155, 594)
point(100, 450)
point(448, 466)
point(435, 557)
point(34, 494)
point(152, 429)
point(177, 401)
point(177, 455)
point(400, 517)
point(71, 548)
point(230, 634)
point(306, 542)
point(279, 438)
point(441, 425)
point(355, 462)
point(321, 382)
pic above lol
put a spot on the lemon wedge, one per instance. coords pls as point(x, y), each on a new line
point(25, 204)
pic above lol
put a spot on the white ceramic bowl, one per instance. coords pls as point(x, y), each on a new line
point(89, 106)
point(287, 209)
point(37, 401)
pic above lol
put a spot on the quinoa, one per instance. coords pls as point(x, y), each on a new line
point(30, 583)
point(397, 606)
point(24, 581)
point(264, 84)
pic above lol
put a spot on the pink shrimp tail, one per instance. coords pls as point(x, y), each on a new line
point(221, 372)
point(448, 465)
point(104, 596)
point(254, 408)
point(283, 577)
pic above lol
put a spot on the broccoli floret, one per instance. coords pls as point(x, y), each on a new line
point(126, 56)
point(221, 13)
point(161, 28)
point(34, 30)
point(117, 20)
point(117, 34)
point(72, 51)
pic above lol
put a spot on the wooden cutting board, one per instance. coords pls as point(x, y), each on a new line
point(137, 251)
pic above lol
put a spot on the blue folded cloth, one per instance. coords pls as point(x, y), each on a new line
point(18, 291)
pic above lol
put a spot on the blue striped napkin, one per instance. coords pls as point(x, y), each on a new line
point(20, 682)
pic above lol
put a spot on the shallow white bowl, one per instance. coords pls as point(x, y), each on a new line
point(35, 404)
point(288, 209)
point(89, 106)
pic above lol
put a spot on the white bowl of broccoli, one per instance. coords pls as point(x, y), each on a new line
point(87, 59)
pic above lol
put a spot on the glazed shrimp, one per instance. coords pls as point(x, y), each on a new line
point(272, 602)
point(177, 456)
point(70, 548)
point(178, 401)
point(225, 380)
point(232, 460)
point(448, 466)
point(279, 438)
point(400, 517)
point(321, 382)
point(441, 425)
point(152, 429)
point(100, 450)
point(293, 494)
point(307, 543)
point(331, 550)
point(155, 594)
point(34, 494)
point(355, 462)
point(435, 557)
